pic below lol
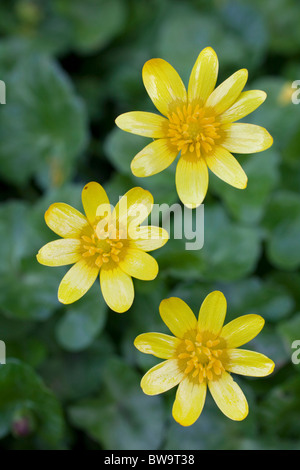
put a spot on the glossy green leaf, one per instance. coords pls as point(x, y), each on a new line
point(122, 416)
point(50, 128)
point(82, 322)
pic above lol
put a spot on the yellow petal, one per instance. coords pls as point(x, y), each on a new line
point(162, 377)
point(148, 238)
point(177, 315)
point(246, 138)
point(189, 402)
point(242, 329)
point(142, 123)
point(203, 77)
point(117, 288)
point(227, 93)
point(60, 252)
point(164, 85)
point(191, 180)
point(249, 363)
point(133, 208)
point(212, 312)
point(77, 281)
point(139, 264)
point(246, 103)
point(65, 221)
point(154, 158)
point(93, 195)
point(229, 397)
point(224, 165)
point(157, 344)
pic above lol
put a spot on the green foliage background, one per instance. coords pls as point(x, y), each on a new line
point(72, 377)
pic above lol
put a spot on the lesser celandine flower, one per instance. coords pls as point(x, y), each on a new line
point(202, 354)
point(199, 123)
point(108, 241)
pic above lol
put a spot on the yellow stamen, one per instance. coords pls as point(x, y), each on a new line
point(192, 130)
point(103, 245)
point(199, 359)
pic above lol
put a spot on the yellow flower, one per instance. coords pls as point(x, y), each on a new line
point(202, 353)
point(110, 242)
point(199, 123)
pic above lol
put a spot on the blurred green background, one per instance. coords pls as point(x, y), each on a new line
point(70, 67)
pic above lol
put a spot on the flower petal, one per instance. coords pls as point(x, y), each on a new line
point(191, 180)
point(157, 344)
point(133, 208)
point(224, 165)
point(189, 402)
point(227, 93)
point(77, 281)
point(229, 397)
point(154, 158)
point(143, 123)
point(246, 138)
point(60, 252)
point(177, 315)
point(93, 195)
point(65, 221)
point(117, 288)
point(139, 264)
point(212, 312)
point(162, 377)
point(203, 77)
point(149, 238)
point(246, 103)
point(249, 363)
point(164, 85)
point(241, 330)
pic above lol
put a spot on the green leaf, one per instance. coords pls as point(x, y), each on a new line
point(249, 205)
point(28, 290)
point(92, 24)
point(34, 297)
point(277, 114)
point(260, 296)
point(34, 354)
point(64, 371)
point(270, 343)
point(34, 24)
point(82, 321)
point(290, 332)
point(121, 147)
point(279, 410)
point(122, 417)
point(200, 30)
point(248, 27)
point(283, 225)
point(50, 125)
point(282, 18)
point(230, 250)
point(21, 388)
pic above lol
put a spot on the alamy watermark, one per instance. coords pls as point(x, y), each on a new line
point(296, 354)
point(2, 352)
point(2, 92)
point(296, 94)
point(180, 222)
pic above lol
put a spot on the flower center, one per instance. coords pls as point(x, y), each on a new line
point(201, 357)
point(105, 244)
point(192, 129)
